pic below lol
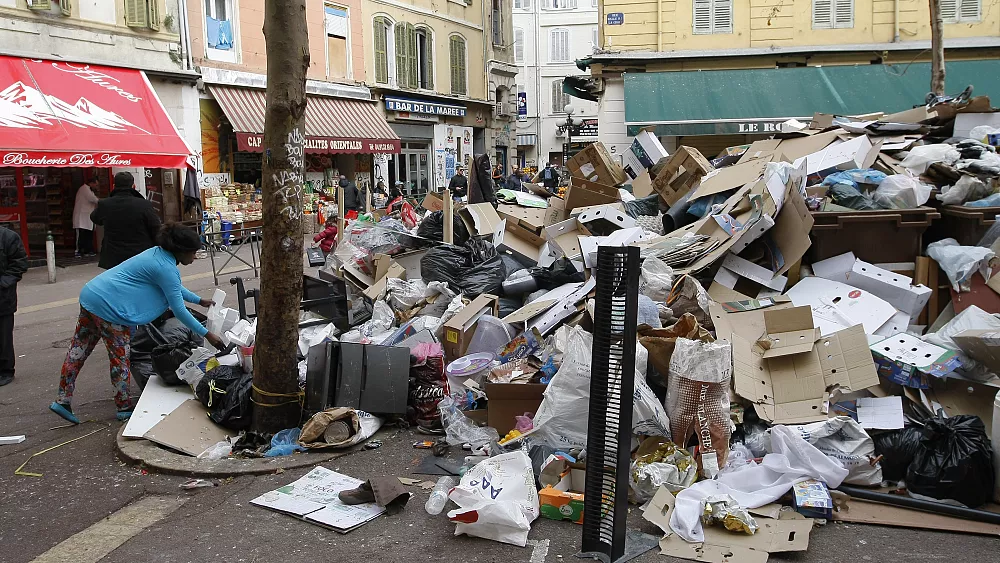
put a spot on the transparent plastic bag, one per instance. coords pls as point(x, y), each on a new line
point(655, 279)
point(459, 429)
point(221, 450)
point(919, 158)
point(967, 188)
point(901, 191)
point(960, 262)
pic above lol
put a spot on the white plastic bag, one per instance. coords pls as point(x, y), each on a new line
point(221, 450)
point(194, 368)
point(980, 132)
point(497, 500)
point(403, 295)
point(313, 335)
point(901, 191)
point(968, 188)
point(843, 439)
point(655, 279)
point(972, 318)
point(960, 262)
point(919, 158)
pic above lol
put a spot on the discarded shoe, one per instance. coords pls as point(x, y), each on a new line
point(364, 494)
point(65, 412)
point(386, 492)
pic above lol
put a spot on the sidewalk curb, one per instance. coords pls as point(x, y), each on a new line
point(154, 458)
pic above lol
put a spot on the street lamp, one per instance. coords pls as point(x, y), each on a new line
point(569, 124)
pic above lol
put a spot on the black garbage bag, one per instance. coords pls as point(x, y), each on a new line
point(953, 462)
point(649, 205)
point(560, 272)
point(225, 390)
point(897, 448)
point(432, 227)
point(471, 270)
point(167, 330)
point(168, 357)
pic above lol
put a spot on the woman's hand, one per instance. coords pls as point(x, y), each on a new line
point(206, 302)
point(215, 341)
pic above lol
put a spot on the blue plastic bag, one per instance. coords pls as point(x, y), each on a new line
point(285, 442)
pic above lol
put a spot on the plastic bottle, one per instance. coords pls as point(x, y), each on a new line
point(439, 496)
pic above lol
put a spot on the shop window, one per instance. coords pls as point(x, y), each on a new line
point(961, 11)
point(459, 82)
point(713, 16)
point(833, 14)
point(560, 99)
point(559, 46)
point(221, 30)
point(518, 45)
point(382, 32)
point(338, 35)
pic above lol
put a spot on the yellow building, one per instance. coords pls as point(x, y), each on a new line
point(716, 73)
point(443, 72)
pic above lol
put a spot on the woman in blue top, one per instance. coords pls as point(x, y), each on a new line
point(135, 292)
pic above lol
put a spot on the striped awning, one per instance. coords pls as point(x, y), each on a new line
point(528, 140)
point(333, 125)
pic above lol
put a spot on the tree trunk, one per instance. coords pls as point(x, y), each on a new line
point(275, 394)
point(937, 48)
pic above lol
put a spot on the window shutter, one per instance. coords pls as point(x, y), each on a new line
point(843, 14)
point(154, 14)
point(38, 4)
point(399, 30)
point(136, 14)
point(557, 97)
point(572, 3)
point(66, 6)
point(518, 45)
point(722, 16)
point(703, 16)
point(822, 14)
point(381, 52)
point(458, 77)
point(971, 10)
point(429, 58)
point(949, 10)
point(411, 55)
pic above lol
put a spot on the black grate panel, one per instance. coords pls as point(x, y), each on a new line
point(612, 384)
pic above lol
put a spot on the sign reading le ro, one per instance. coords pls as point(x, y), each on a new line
point(415, 106)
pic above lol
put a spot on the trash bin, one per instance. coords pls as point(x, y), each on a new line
point(227, 232)
point(967, 225)
point(877, 237)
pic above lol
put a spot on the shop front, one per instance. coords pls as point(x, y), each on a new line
point(64, 123)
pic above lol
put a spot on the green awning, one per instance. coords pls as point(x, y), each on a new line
point(723, 102)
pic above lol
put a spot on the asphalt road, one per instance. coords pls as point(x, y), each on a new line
point(83, 482)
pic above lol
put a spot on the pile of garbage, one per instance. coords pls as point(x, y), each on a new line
point(773, 389)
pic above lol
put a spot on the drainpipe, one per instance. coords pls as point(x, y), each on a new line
point(539, 149)
point(659, 24)
point(895, 21)
point(487, 42)
point(186, 33)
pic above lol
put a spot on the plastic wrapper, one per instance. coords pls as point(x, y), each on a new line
point(953, 463)
point(432, 227)
point(403, 295)
point(787, 173)
point(981, 132)
point(897, 448)
point(739, 455)
point(459, 429)
point(148, 337)
point(967, 188)
point(919, 158)
point(470, 270)
point(375, 329)
point(725, 511)
point(849, 196)
point(698, 399)
point(313, 335)
point(854, 178)
point(661, 342)
point(842, 438)
point(497, 499)
point(167, 358)
point(285, 442)
point(960, 262)
point(655, 279)
point(649, 313)
point(428, 385)
point(901, 191)
point(220, 450)
point(992, 200)
point(688, 296)
point(667, 466)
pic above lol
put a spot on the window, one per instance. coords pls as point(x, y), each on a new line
point(458, 77)
point(138, 13)
point(382, 32)
point(497, 23)
point(338, 52)
point(522, 4)
point(425, 58)
point(220, 29)
point(414, 56)
point(559, 46)
point(518, 45)
point(560, 4)
point(560, 99)
point(956, 11)
point(593, 3)
point(713, 16)
point(833, 14)
point(595, 41)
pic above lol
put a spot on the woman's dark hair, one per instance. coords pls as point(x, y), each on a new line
point(174, 238)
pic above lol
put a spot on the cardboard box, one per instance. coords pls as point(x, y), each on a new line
point(643, 153)
point(858, 152)
point(432, 202)
point(837, 306)
point(564, 237)
point(482, 220)
point(680, 174)
point(753, 272)
point(723, 546)
point(460, 328)
point(583, 193)
point(744, 318)
point(555, 212)
point(791, 388)
point(605, 219)
point(982, 346)
point(730, 178)
point(907, 360)
point(564, 500)
point(898, 290)
point(530, 218)
point(642, 185)
point(507, 400)
point(788, 331)
point(596, 164)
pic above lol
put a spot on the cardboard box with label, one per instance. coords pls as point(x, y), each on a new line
point(482, 220)
point(786, 376)
point(643, 153)
point(908, 360)
point(682, 172)
point(584, 193)
point(459, 329)
point(837, 306)
point(595, 163)
point(508, 400)
point(744, 318)
point(562, 495)
point(432, 202)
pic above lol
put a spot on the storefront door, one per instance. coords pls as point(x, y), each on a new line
point(413, 169)
point(12, 203)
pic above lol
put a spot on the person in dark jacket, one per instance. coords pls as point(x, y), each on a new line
point(550, 178)
point(515, 182)
point(13, 264)
point(129, 220)
point(352, 197)
point(459, 184)
point(481, 186)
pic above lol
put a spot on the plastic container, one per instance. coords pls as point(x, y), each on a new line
point(491, 335)
point(439, 496)
point(472, 366)
point(967, 225)
point(877, 237)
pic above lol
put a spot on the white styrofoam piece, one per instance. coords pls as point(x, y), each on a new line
point(837, 306)
point(754, 273)
point(157, 401)
point(11, 440)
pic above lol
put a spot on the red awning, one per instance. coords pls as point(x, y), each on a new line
point(73, 114)
point(333, 125)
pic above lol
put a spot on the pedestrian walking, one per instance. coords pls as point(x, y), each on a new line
point(136, 292)
point(86, 203)
point(550, 178)
point(130, 223)
point(13, 264)
point(352, 197)
point(459, 184)
point(498, 180)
